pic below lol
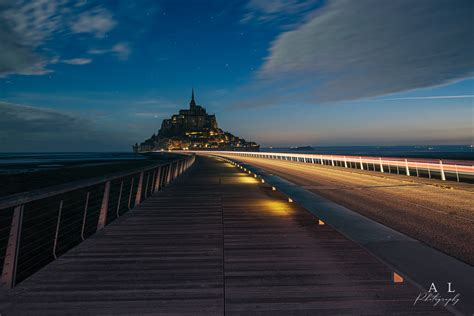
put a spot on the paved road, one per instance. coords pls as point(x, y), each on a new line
point(215, 241)
point(439, 215)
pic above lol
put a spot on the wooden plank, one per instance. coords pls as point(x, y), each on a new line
point(215, 240)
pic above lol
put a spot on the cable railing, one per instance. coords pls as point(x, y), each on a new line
point(451, 170)
point(37, 227)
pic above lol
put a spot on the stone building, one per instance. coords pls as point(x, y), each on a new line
point(193, 128)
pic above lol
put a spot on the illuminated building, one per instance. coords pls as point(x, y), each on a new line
point(191, 129)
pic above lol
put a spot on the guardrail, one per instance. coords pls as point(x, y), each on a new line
point(454, 170)
point(39, 226)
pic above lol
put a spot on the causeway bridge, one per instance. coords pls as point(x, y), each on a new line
point(209, 235)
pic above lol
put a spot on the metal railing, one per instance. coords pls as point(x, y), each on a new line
point(453, 170)
point(37, 227)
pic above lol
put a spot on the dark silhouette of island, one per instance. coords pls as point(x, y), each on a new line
point(193, 129)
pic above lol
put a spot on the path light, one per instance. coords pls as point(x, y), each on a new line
point(290, 200)
point(263, 181)
point(255, 175)
point(321, 223)
point(274, 189)
point(397, 278)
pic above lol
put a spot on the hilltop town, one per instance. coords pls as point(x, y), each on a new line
point(193, 129)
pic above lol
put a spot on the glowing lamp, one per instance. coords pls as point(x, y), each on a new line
point(290, 200)
point(263, 181)
point(274, 189)
point(320, 222)
point(397, 278)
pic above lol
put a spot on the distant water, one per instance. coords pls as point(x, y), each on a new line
point(29, 162)
point(11, 163)
point(455, 152)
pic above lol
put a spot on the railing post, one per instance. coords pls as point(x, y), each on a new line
point(168, 174)
point(176, 169)
point(381, 164)
point(406, 167)
point(104, 207)
point(138, 197)
point(345, 162)
point(84, 217)
point(131, 191)
point(153, 180)
point(157, 180)
point(443, 176)
point(146, 186)
point(58, 223)
point(332, 161)
point(457, 173)
point(361, 164)
point(119, 199)
point(13, 248)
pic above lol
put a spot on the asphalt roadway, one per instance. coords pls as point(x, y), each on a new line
point(440, 214)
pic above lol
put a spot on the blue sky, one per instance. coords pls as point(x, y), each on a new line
point(102, 75)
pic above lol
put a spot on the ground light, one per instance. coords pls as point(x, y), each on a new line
point(274, 189)
point(263, 181)
point(397, 278)
point(320, 222)
point(290, 200)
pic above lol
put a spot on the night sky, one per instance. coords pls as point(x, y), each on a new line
point(101, 75)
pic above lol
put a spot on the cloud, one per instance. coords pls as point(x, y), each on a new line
point(23, 27)
point(432, 97)
point(98, 21)
point(121, 50)
point(365, 48)
point(77, 61)
point(29, 119)
point(149, 114)
point(263, 11)
point(28, 27)
point(27, 128)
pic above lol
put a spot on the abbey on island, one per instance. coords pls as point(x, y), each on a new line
point(193, 129)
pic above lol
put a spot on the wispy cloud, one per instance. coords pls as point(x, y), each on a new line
point(149, 114)
point(121, 50)
point(23, 27)
point(360, 49)
point(98, 21)
point(265, 11)
point(433, 97)
point(28, 128)
point(27, 27)
point(77, 61)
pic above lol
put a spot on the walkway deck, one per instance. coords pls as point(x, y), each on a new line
point(215, 241)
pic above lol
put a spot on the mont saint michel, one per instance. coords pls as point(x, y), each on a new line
point(193, 129)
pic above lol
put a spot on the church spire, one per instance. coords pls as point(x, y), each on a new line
point(192, 103)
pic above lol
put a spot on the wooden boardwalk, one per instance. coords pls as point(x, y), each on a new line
point(216, 241)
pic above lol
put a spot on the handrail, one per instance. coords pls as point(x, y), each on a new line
point(46, 223)
point(457, 170)
point(29, 196)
